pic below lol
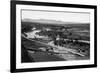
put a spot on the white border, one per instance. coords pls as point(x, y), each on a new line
point(20, 65)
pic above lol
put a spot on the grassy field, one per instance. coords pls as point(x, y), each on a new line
point(72, 31)
point(66, 31)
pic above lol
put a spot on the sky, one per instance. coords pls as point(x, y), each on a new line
point(58, 16)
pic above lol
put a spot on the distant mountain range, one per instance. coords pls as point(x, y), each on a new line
point(46, 21)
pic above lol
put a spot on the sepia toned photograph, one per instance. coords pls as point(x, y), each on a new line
point(54, 36)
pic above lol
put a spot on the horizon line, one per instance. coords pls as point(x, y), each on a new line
point(55, 20)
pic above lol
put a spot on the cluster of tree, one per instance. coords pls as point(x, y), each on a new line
point(26, 27)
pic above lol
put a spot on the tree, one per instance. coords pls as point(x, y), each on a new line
point(26, 28)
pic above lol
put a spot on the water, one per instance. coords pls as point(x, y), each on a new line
point(34, 35)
